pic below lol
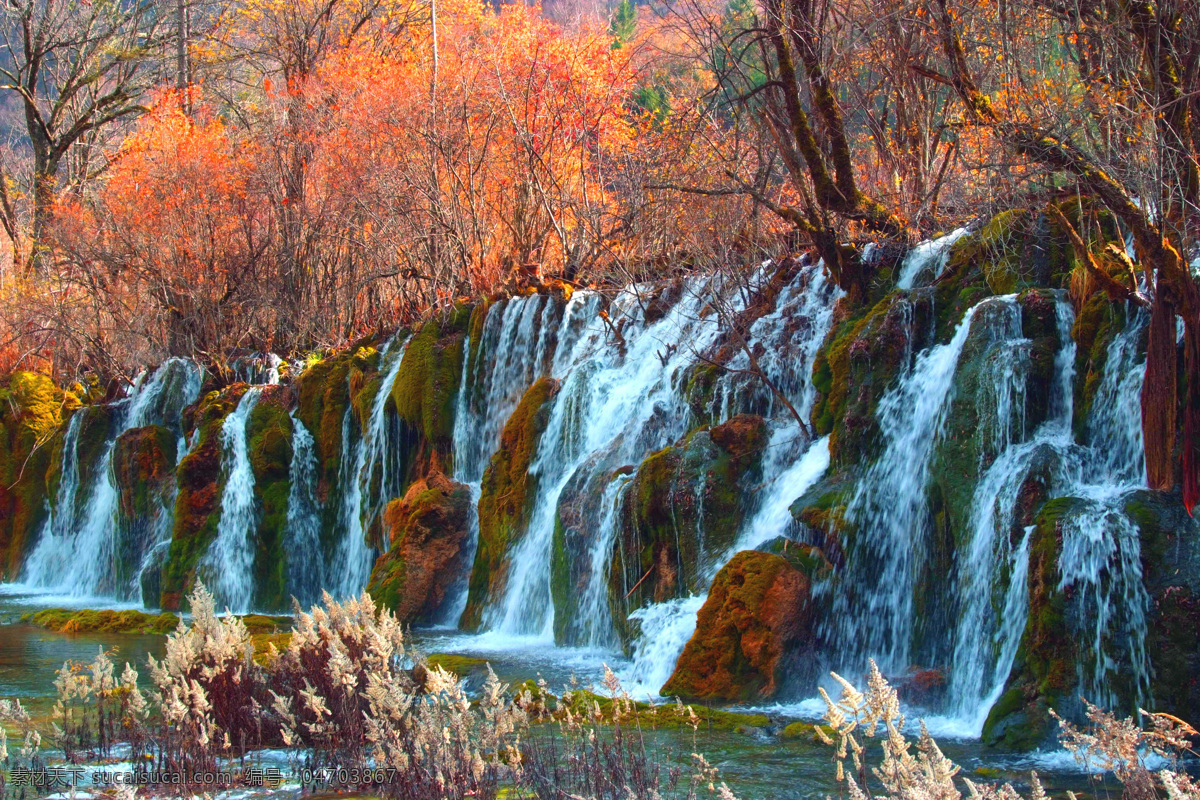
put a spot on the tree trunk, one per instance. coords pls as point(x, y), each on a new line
point(1159, 394)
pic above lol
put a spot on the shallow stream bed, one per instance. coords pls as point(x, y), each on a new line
point(756, 761)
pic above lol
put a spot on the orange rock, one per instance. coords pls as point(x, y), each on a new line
point(757, 614)
point(428, 531)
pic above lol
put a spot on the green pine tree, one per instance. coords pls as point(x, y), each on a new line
point(623, 24)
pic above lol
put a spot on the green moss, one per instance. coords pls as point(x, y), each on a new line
point(756, 614)
point(269, 446)
point(266, 623)
point(62, 620)
point(475, 328)
point(323, 395)
point(365, 383)
point(684, 508)
point(263, 642)
point(664, 717)
point(428, 533)
point(805, 731)
point(197, 505)
point(702, 381)
point(506, 497)
point(427, 382)
point(31, 417)
point(858, 361)
point(1096, 325)
point(1043, 674)
point(460, 665)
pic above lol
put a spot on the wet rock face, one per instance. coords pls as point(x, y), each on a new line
point(427, 382)
point(506, 495)
point(1044, 669)
point(756, 618)
point(582, 509)
point(269, 444)
point(143, 464)
point(428, 529)
point(860, 359)
point(683, 511)
point(1171, 565)
point(30, 412)
point(198, 502)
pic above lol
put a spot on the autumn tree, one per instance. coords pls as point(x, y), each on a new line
point(171, 249)
point(1138, 64)
point(77, 68)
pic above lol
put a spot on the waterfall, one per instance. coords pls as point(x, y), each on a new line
point(616, 408)
point(788, 478)
point(928, 255)
point(369, 476)
point(1101, 569)
point(306, 562)
point(1100, 565)
point(628, 388)
point(873, 610)
point(76, 550)
point(595, 616)
point(519, 335)
point(665, 630)
point(228, 565)
point(992, 589)
point(628, 401)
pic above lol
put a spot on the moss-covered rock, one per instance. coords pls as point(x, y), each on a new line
point(985, 411)
point(96, 428)
point(750, 628)
point(323, 395)
point(427, 383)
point(822, 512)
point(1039, 324)
point(1170, 541)
point(198, 502)
point(143, 468)
point(506, 497)
point(683, 510)
point(862, 356)
point(1044, 672)
point(269, 446)
point(1014, 250)
point(1096, 325)
point(590, 497)
point(365, 383)
point(428, 549)
point(64, 620)
point(31, 415)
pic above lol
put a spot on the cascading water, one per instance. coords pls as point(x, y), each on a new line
point(873, 608)
point(630, 402)
point(512, 352)
point(992, 589)
point(77, 548)
point(306, 562)
point(370, 473)
point(927, 256)
point(595, 616)
point(625, 392)
point(227, 567)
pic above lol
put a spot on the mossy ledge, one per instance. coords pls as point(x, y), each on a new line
point(66, 620)
point(428, 533)
point(683, 511)
point(32, 411)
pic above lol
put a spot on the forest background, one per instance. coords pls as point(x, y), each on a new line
point(203, 179)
